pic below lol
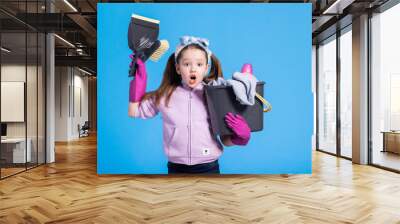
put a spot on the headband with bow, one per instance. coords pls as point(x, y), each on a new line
point(201, 42)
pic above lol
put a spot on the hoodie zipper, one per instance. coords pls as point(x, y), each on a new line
point(190, 127)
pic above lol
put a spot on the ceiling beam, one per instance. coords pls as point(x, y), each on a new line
point(86, 26)
point(337, 6)
point(83, 61)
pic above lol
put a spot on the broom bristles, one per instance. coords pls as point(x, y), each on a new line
point(146, 19)
point(164, 46)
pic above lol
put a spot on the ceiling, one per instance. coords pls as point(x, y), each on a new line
point(75, 21)
point(77, 25)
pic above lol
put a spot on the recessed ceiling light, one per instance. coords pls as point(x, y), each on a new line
point(84, 71)
point(64, 40)
point(70, 5)
point(5, 50)
point(337, 7)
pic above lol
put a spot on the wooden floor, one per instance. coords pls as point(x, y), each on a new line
point(386, 159)
point(69, 191)
point(5, 172)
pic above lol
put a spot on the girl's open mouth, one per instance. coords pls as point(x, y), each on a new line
point(192, 79)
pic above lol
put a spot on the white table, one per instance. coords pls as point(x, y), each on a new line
point(18, 149)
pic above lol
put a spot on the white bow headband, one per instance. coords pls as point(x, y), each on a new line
point(187, 40)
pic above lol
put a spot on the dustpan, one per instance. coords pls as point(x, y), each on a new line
point(142, 38)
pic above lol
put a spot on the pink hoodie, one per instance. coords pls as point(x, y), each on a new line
point(187, 137)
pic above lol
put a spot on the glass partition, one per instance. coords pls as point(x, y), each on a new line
point(346, 93)
point(22, 89)
point(327, 95)
point(385, 89)
point(31, 100)
point(13, 103)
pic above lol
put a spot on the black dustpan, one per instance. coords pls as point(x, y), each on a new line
point(142, 38)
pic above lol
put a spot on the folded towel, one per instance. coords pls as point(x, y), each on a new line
point(243, 85)
point(219, 82)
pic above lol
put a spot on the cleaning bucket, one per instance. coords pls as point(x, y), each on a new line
point(222, 100)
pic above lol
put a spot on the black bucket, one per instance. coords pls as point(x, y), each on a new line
point(222, 100)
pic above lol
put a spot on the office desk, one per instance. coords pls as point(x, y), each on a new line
point(13, 150)
point(391, 141)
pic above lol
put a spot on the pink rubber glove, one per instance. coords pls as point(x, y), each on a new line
point(137, 86)
point(240, 128)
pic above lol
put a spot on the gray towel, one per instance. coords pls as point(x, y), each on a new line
point(243, 84)
point(219, 82)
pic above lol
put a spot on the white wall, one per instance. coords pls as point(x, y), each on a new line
point(13, 73)
point(10, 73)
point(13, 101)
point(62, 81)
point(80, 110)
point(71, 102)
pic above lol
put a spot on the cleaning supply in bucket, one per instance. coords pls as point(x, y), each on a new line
point(248, 68)
point(143, 40)
point(222, 99)
point(244, 86)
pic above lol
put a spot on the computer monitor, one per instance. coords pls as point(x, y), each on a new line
point(3, 129)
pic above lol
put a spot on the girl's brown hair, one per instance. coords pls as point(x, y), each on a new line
point(171, 79)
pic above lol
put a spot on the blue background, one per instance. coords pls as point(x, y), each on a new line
point(275, 38)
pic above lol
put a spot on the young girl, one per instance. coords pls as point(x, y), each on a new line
point(187, 138)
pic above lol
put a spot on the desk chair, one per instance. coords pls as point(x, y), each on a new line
point(84, 130)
